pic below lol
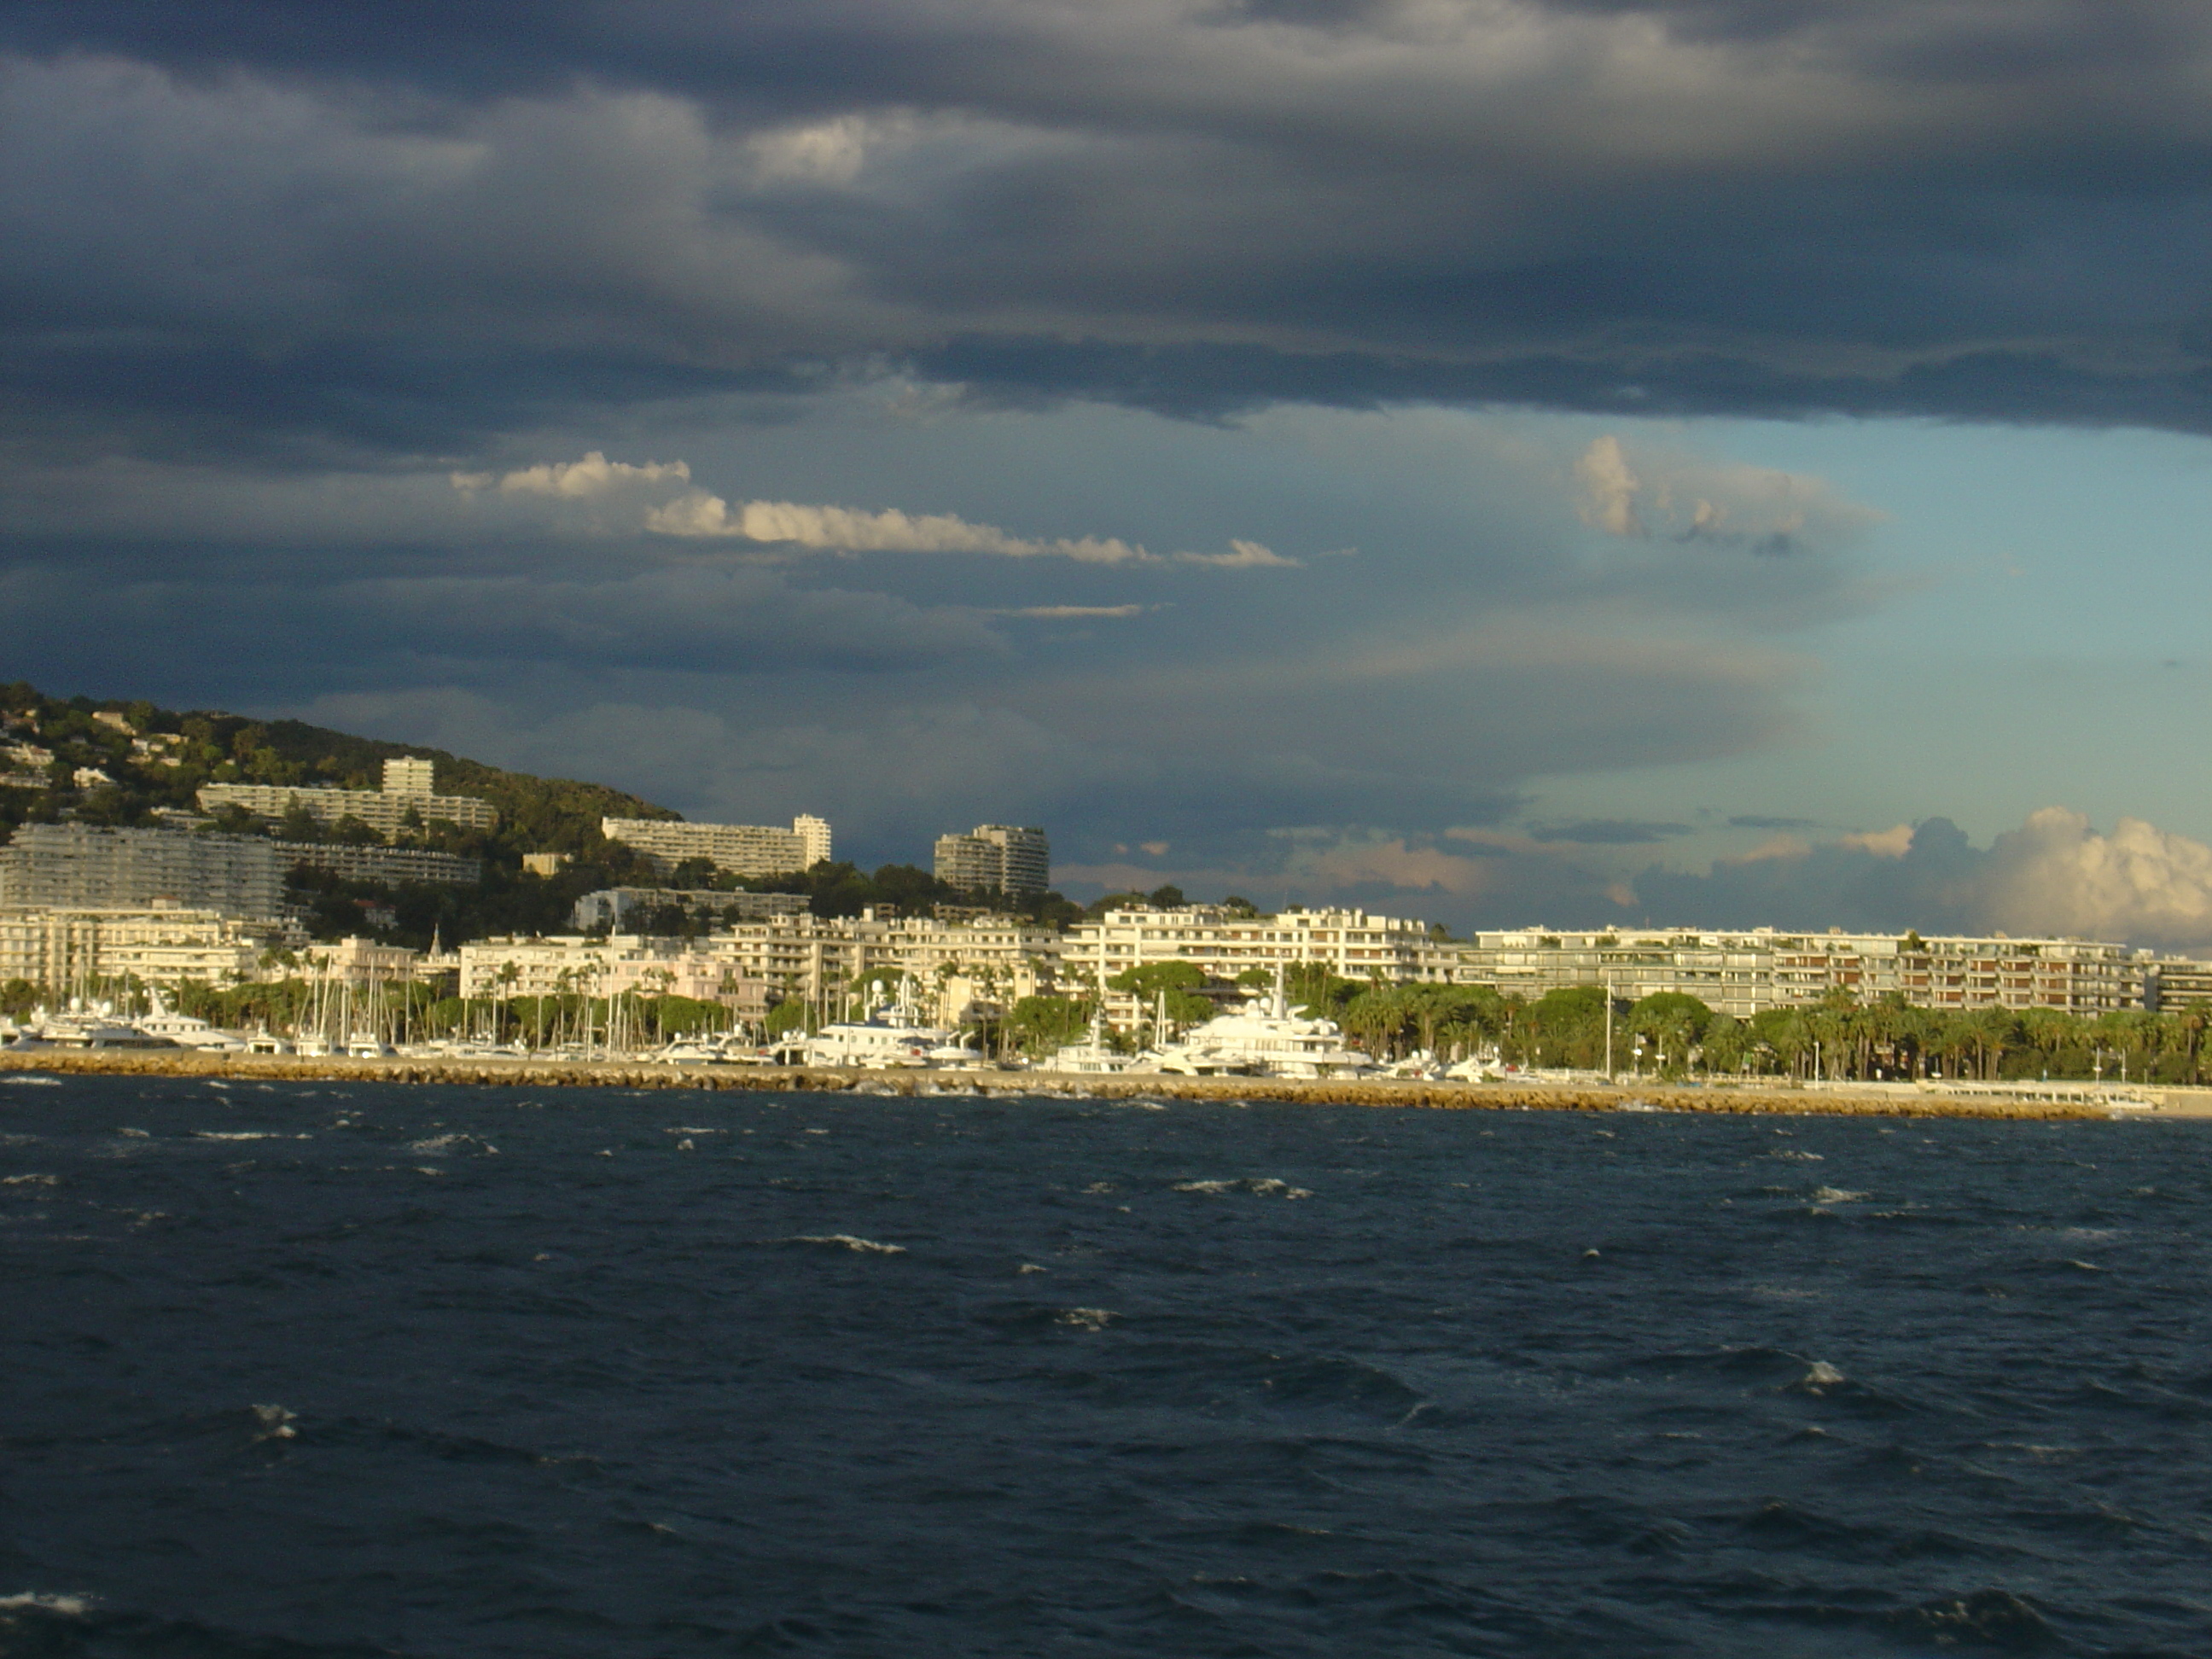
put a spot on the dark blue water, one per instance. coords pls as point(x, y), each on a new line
point(328, 1370)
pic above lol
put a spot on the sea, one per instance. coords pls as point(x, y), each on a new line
point(295, 1370)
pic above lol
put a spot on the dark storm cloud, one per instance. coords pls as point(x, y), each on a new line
point(262, 634)
point(406, 228)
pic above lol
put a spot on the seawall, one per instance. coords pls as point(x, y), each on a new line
point(1876, 1100)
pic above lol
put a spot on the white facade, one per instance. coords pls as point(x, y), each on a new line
point(955, 966)
point(84, 867)
point(1744, 973)
point(363, 962)
point(1350, 943)
point(66, 950)
point(411, 774)
point(739, 849)
point(621, 963)
point(1005, 858)
point(406, 789)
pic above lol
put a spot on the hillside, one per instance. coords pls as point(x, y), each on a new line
point(162, 756)
point(133, 764)
point(60, 759)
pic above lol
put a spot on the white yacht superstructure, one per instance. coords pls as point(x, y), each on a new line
point(1092, 1057)
point(95, 1027)
point(1262, 1038)
point(186, 1032)
point(892, 1034)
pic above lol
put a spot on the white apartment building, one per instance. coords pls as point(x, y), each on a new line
point(84, 866)
point(1350, 943)
point(407, 789)
point(362, 961)
point(996, 857)
point(71, 951)
point(1744, 973)
point(2173, 982)
point(955, 966)
point(619, 964)
point(738, 849)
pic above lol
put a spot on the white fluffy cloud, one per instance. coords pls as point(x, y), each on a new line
point(2055, 874)
point(1693, 499)
point(594, 475)
point(855, 530)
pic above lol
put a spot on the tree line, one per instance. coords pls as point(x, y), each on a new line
point(1672, 1034)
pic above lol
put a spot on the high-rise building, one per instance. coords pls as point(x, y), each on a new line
point(740, 849)
point(82, 866)
point(407, 785)
point(411, 774)
point(996, 857)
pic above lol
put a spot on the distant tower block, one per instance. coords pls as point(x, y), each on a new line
point(813, 835)
point(411, 776)
point(742, 849)
point(999, 857)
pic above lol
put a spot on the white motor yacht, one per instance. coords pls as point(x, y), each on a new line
point(1094, 1056)
point(82, 1028)
point(188, 1032)
point(892, 1036)
point(1262, 1038)
point(689, 1051)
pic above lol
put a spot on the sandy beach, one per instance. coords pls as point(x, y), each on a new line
point(2027, 1100)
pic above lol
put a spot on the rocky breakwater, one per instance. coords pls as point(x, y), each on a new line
point(1379, 1093)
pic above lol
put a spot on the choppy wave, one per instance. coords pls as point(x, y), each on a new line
point(1489, 1391)
point(32, 1080)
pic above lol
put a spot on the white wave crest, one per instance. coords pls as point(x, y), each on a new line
point(1085, 1319)
point(275, 1423)
point(1835, 1195)
point(32, 1080)
point(1259, 1186)
point(848, 1241)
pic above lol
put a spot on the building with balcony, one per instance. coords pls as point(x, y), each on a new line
point(73, 951)
point(1748, 973)
point(1351, 944)
point(996, 858)
point(737, 849)
point(405, 801)
point(389, 865)
point(618, 965)
point(85, 867)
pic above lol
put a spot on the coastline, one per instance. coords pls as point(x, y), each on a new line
point(1874, 1100)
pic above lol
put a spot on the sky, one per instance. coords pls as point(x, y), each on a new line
point(1709, 462)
